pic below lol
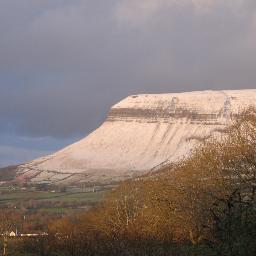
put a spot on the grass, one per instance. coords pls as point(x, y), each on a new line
point(48, 201)
point(36, 209)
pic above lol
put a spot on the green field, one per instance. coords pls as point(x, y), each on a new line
point(76, 199)
point(19, 196)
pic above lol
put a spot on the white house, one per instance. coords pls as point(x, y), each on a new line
point(12, 234)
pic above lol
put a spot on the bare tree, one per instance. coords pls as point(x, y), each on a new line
point(6, 226)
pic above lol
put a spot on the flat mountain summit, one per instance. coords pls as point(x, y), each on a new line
point(141, 132)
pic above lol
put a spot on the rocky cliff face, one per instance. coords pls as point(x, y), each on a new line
point(141, 132)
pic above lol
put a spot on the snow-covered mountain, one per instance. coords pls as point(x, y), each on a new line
point(140, 132)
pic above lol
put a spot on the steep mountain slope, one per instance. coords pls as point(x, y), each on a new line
point(141, 132)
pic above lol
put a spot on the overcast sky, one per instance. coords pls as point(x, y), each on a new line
point(63, 63)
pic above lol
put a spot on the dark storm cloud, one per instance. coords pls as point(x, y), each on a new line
point(64, 63)
point(14, 155)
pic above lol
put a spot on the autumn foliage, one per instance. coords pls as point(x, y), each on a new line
point(205, 202)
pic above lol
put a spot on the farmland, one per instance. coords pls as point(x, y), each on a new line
point(33, 208)
point(34, 200)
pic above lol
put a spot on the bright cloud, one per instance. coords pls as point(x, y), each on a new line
point(138, 11)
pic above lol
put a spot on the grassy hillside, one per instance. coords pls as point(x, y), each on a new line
point(7, 173)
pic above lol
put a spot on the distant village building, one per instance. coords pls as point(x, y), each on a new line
point(12, 234)
point(16, 234)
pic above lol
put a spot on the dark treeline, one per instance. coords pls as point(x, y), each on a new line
point(203, 205)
